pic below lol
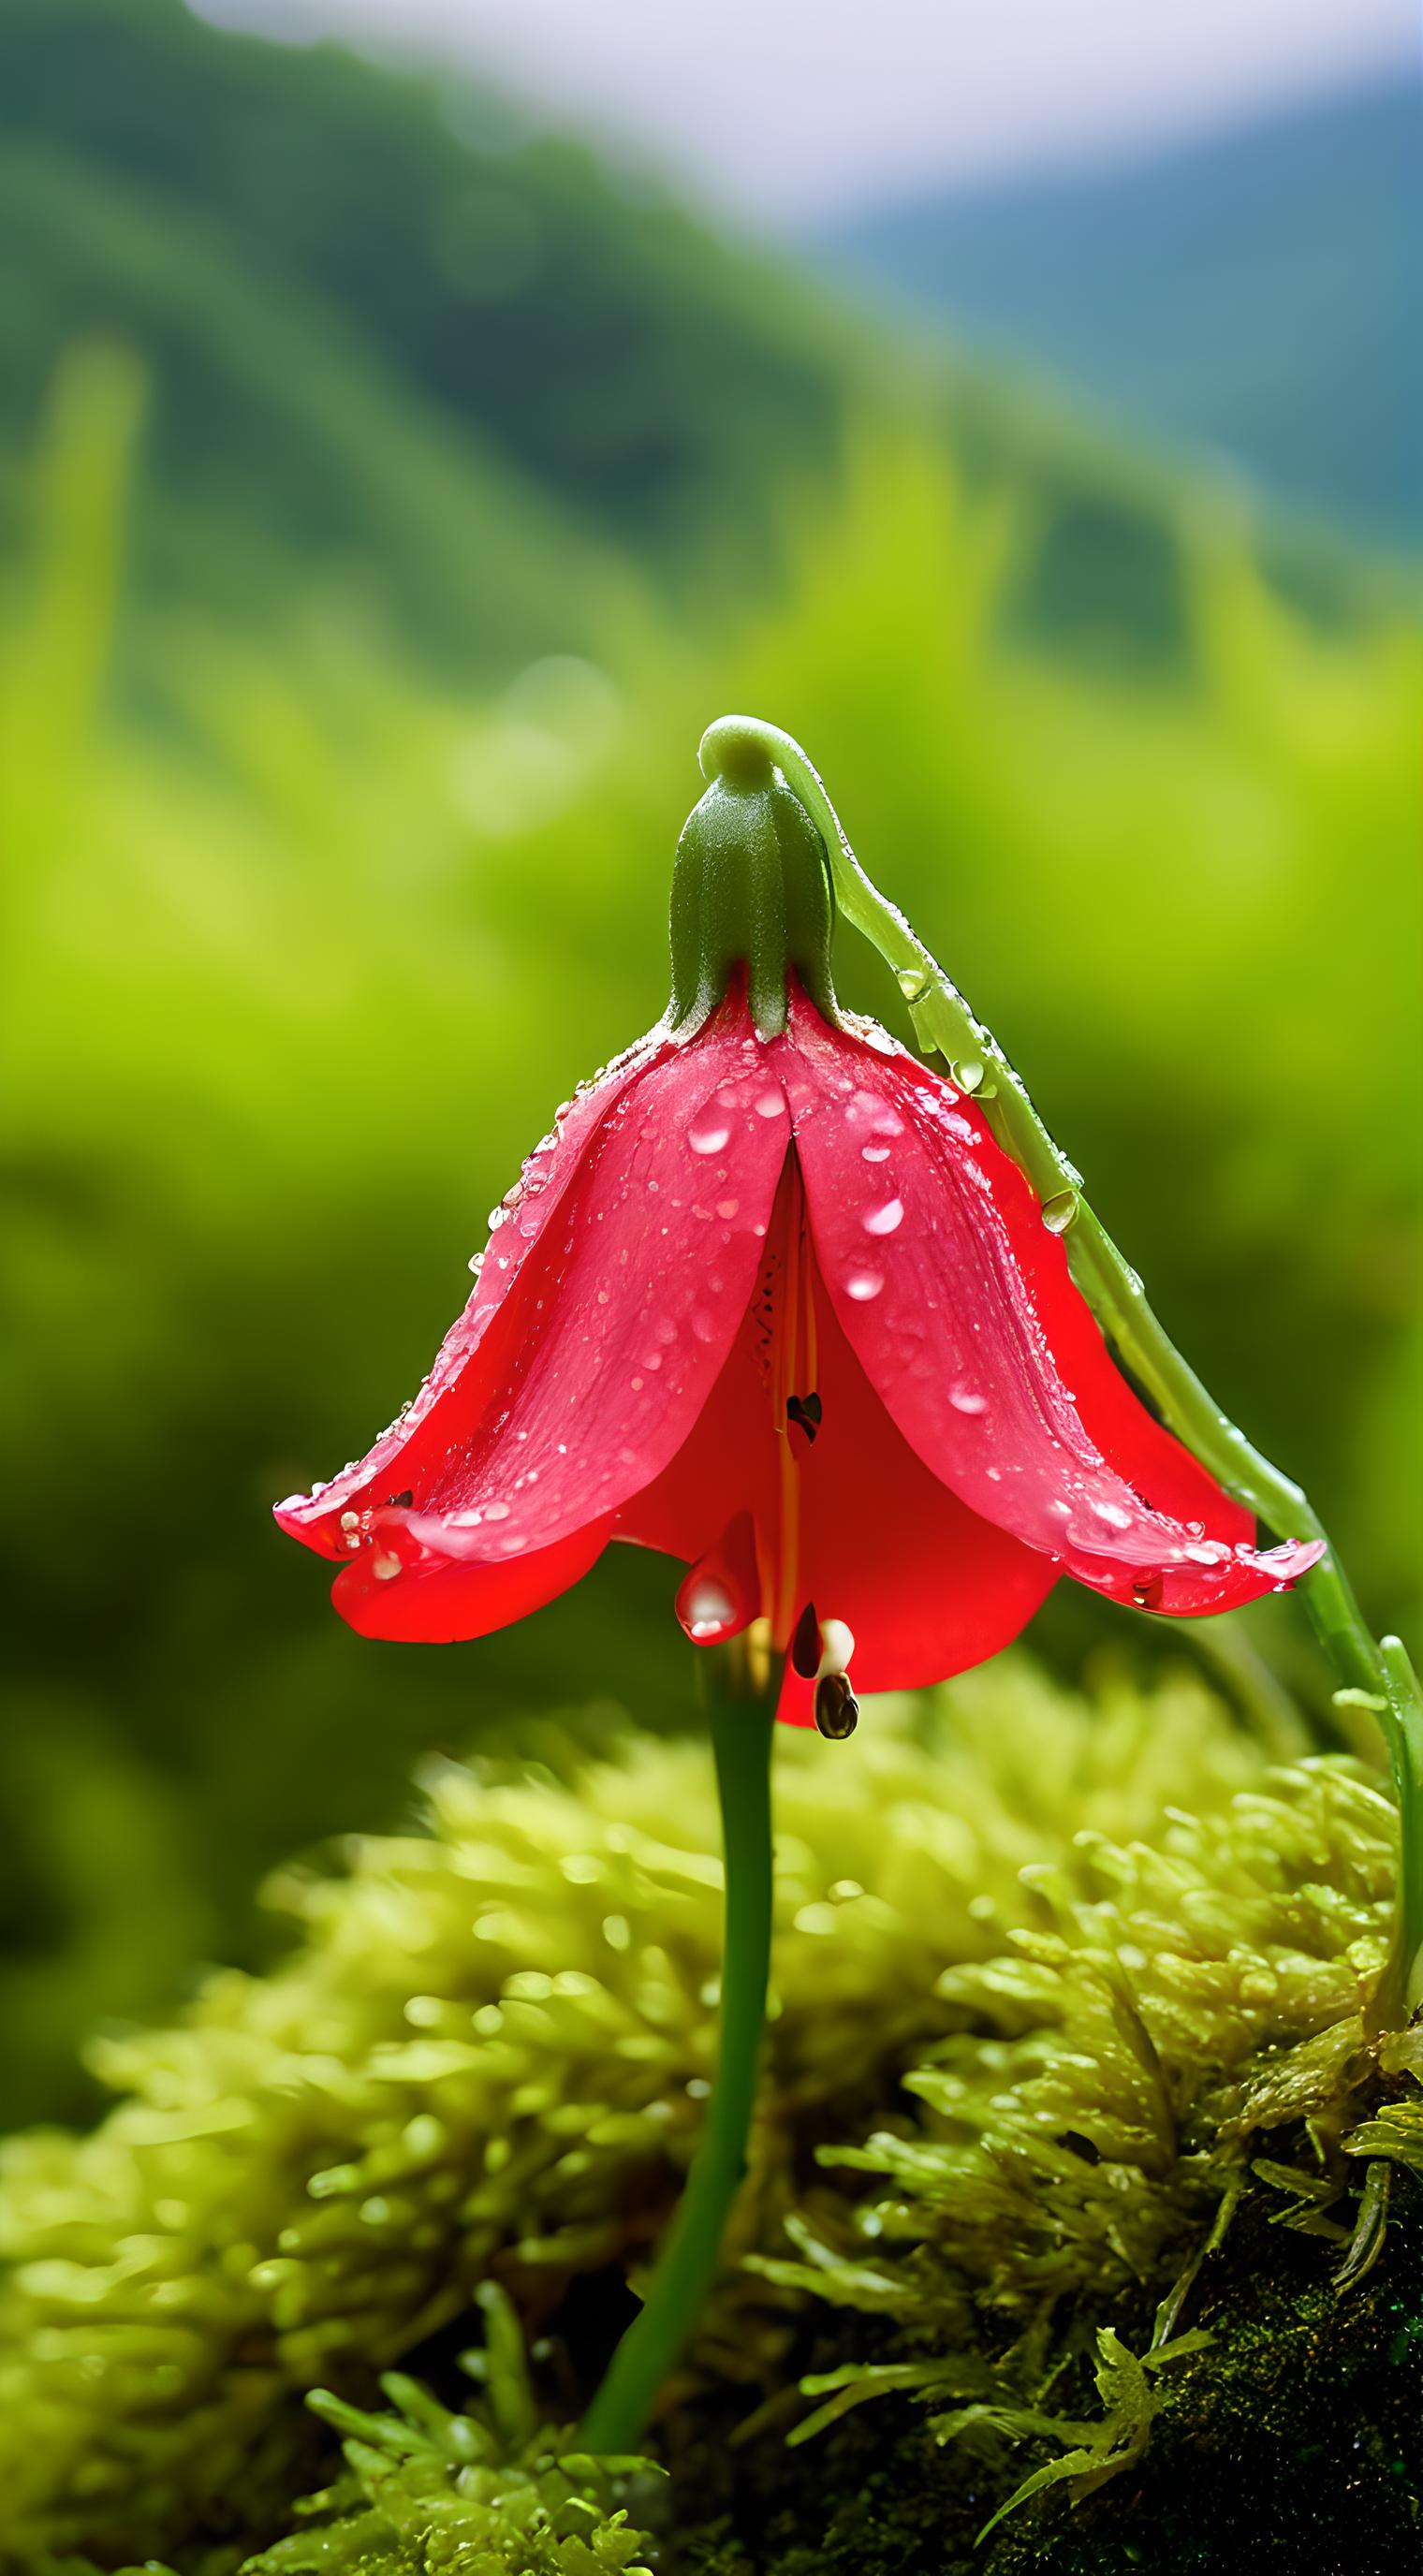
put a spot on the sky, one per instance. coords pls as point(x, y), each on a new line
point(787, 113)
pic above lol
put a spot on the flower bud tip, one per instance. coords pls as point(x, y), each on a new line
point(738, 749)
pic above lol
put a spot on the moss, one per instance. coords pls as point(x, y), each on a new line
point(1291, 2442)
point(485, 2491)
point(1122, 2073)
point(1051, 1978)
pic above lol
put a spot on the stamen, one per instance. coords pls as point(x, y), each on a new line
point(837, 1711)
point(805, 1644)
point(837, 1645)
point(786, 1367)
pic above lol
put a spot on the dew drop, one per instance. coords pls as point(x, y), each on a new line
point(709, 1139)
point(874, 1153)
point(862, 1285)
point(726, 1209)
point(385, 1568)
point(1113, 1514)
point(709, 1610)
point(964, 1399)
point(770, 1104)
point(1059, 1211)
point(496, 1511)
point(914, 984)
point(968, 1074)
point(883, 1220)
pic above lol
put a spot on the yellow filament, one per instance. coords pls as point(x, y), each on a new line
point(793, 1329)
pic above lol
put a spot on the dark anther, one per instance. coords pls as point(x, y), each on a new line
point(399, 1502)
point(805, 1644)
point(837, 1711)
point(808, 1411)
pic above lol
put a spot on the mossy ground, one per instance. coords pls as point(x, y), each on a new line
point(1064, 1988)
point(1293, 2446)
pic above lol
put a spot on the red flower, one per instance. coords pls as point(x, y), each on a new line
point(771, 1300)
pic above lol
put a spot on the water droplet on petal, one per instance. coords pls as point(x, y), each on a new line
point(385, 1567)
point(770, 1104)
point(965, 1399)
point(862, 1285)
point(707, 1610)
point(708, 1139)
point(496, 1511)
point(1113, 1514)
point(883, 1220)
point(726, 1209)
point(874, 1153)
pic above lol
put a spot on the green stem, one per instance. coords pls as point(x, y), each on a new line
point(742, 1716)
point(1378, 1674)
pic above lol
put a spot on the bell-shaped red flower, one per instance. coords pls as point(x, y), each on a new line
point(770, 1299)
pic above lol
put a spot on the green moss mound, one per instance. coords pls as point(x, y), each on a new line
point(1067, 2025)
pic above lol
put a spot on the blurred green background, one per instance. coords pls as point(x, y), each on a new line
point(387, 501)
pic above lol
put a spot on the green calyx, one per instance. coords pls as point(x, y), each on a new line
point(751, 889)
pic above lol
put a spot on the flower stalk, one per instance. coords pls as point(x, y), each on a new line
point(741, 1683)
point(1375, 1673)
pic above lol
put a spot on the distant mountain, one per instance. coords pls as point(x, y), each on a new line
point(387, 339)
point(1258, 294)
point(407, 364)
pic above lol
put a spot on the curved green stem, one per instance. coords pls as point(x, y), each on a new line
point(1378, 1675)
point(742, 1715)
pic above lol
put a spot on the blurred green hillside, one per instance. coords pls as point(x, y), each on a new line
point(450, 377)
point(355, 639)
point(1247, 293)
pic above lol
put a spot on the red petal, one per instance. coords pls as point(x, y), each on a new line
point(416, 1441)
point(437, 1600)
point(959, 1303)
point(926, 1586)
point(572, 1378)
